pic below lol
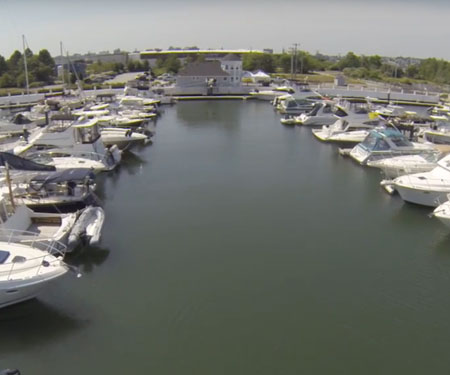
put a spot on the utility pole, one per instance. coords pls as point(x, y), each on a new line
point(292, 64)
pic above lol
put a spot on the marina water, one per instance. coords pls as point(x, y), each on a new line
point(235, 245)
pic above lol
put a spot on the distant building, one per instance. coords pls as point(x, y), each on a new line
point(209, 54)
point(340, 80)
point(232, 64)
point(203, 75)
point(104, 57)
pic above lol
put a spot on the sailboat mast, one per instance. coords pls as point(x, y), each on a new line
point(25, 64)
point(62, 59)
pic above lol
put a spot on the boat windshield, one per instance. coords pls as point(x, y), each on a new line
point(315, 109)
point(401, 142)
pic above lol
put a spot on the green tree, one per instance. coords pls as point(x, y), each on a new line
point(45, 58)
point(3, 65)
point(15, 62)
point(7, 80)
point(350, 60)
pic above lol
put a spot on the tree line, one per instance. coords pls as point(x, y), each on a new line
point(352, 65)
point(41, 69)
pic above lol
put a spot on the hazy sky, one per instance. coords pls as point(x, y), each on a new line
point(390, 28)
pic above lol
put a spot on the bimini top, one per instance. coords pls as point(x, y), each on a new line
point(385, 139)
point(73, 174)
point(18, 163)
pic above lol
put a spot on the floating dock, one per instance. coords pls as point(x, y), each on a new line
point(212, 97)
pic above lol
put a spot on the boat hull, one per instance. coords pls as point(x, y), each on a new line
point(421, 196)
point(15, 292)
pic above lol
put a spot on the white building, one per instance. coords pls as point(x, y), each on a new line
point(232, 64)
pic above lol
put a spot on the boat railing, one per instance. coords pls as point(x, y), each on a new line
point(52, 252)
point(34, 240)
point(77, 154)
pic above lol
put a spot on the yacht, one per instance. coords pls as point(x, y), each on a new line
point(427, 188)
point(385, 143)
point(27, 269)
point(267, 95)
point(80, 138)
point(123, 138)
point(323, 113)
point(343, 132)
point(406, 164)
point(289, 105)
point(442, 213)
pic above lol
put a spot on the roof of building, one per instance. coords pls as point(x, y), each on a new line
point(203, 69)
point(231, 57)
point(198, 51)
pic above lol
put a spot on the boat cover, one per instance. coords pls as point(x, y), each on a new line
point(73, 174)
point(19, 163)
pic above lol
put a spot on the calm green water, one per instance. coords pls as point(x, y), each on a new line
point(234, 245)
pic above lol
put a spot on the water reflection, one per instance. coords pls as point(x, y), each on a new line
point(209, 113)
point(87, 258)
point(33, 323)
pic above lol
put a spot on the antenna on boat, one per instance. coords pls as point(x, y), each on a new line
point(25, 64)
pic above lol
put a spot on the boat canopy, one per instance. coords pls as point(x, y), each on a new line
point(18, 163)
point(73, 174)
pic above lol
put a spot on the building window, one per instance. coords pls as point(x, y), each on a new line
point(226, 67)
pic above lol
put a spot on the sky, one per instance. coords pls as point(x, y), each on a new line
point(409, 28)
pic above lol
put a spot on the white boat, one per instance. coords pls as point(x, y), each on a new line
point(427, 188)
point(88, 227)
point(26, 269)
point(69, 188)
point(386, 143)
point(442, 213)
point(287, 104)
point(31, 226)
point(289, 120)
point(68, 160)
point(406, 164)
point(343, 132)
point(323, 113)
point(267, 95)
point(439, 132)
point(122, 138)
point(80, 138)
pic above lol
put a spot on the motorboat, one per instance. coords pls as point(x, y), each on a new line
point(289, 120)
point(439, 131)
point(427, 188)
point(289, 105)
point(82, 138)
point(406, 164)
point(323, 113)
point(442, 213)
point(27, 269)
point(52, 228)
point(343, 132)
point(61, 160)
point(123, 138)
point(88, 227)
point(385, 143)
point(268, 95)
